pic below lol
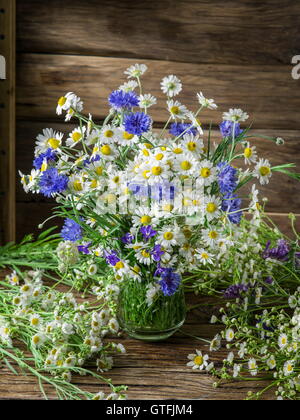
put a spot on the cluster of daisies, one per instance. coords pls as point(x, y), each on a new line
point(61, 332)
point(151, 203)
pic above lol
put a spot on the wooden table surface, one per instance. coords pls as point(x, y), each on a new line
point(152, 370)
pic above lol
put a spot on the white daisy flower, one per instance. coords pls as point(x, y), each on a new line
point(136, 70)
point(282, 341)
point(185, 164)
point(211, 236)
point(198, 361)
point(77, 184)
point(92, 269)
point(271, 362)
point(93, 137)
point(252, 366)
point(48, 139)
point(288, 367)
point(129, 86)
point(212, 205)
point(206, 103)
point(229, 334)
point(170, 236)
point(109, 134)
point(127, 139)
point(235, 115)
point(193, 144)
point(195, 122)
point(171, 85)
point(250, 154)
point(64, 103)
point(144, 256)
point(236, 370)
point(153, 172)
point(35, 320)
point(207, 173)
point(177, 110)
point(144, 216)
point(38, 340)
point(262, 171)
point(108, 152)
point(76, 136)
point(203, 256)
point(147, 100)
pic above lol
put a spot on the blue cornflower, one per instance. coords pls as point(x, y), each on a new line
point(85, 248)
point(51, 182)
point(49, 155)
point(112, 257)
point(169, 282)
point(227, 177)
point(232, 204)
point(280, 252)
point(121, 100)
point(226, 128)
point(177, 129)
point(137, 123)
point(147, 232)
point(157, 252)
point(127, 239)
point(71, 231)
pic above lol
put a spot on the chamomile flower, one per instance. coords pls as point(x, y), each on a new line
point(38, 340)
point(229, 335)
point(170, 236)
point(76, 136)
point(177, 110)
point(192, 144)
point(271, 362)
point(108, 152)
point(195, 122)
point(127, 139)
point(171, 85)
point(35, 320)
point(206, 103)
point(144, 216)
point(282, 341)
point(211, 236)
point(109, 134)
point(77, 184)
point(203, 256)
point(154, 172)
point(211, 207)
point(185, 164)
point(144, 256)
point(129, 86)
point(252, 366)
point(263, 171)
point(93, 137)
point(136, 70)
point(48, 139)
point(288, 368)
point(147, 100)
point(207, 173)
point(235, 115)
point(198, 360)
point(249, 153)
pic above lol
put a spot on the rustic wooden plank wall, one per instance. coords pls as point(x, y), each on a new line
point(7, 122)
point(238, 53)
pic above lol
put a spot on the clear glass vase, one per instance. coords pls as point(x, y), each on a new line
point(154, 322)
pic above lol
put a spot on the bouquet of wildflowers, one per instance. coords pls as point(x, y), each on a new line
point(150, 204)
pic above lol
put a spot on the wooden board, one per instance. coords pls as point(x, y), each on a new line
point(154, 370)
point(7, 123)
point(231, 32)
point(268, 93)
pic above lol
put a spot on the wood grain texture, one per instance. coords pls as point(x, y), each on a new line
point(154, 370)
point(196, 31)
point(7, 122)
point(263, 91)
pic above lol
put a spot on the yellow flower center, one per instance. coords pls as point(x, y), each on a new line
point(248, 152)
point(94, 183)
point(264, 170)
point(53, 143)
point(192, 146)
point(185, 165)
point(157, 170)
point(168, 207)
point(159, 156)
point(36, 339)
point(108, 133)
point(136, 269)
point(148, 145)
point(289, 368)
point(198, 360)
point(119, 265)
point(99, 170)
point(44, 167)
point(146, 174)
point(62, 101)
point(35, 321)
point(174, 110)
point(145, 254)
point(145, 220)
point(204, 255)
point(213, 234)
point(168, 236)
point(211, 207)
point(116, 179)
point(76, 136)
point(106, 150)
point(178, 151)
point(146, 152)
point(205, 172)
point(77, 185)
point(127, 136)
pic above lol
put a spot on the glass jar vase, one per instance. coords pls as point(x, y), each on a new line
point(149, 320)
